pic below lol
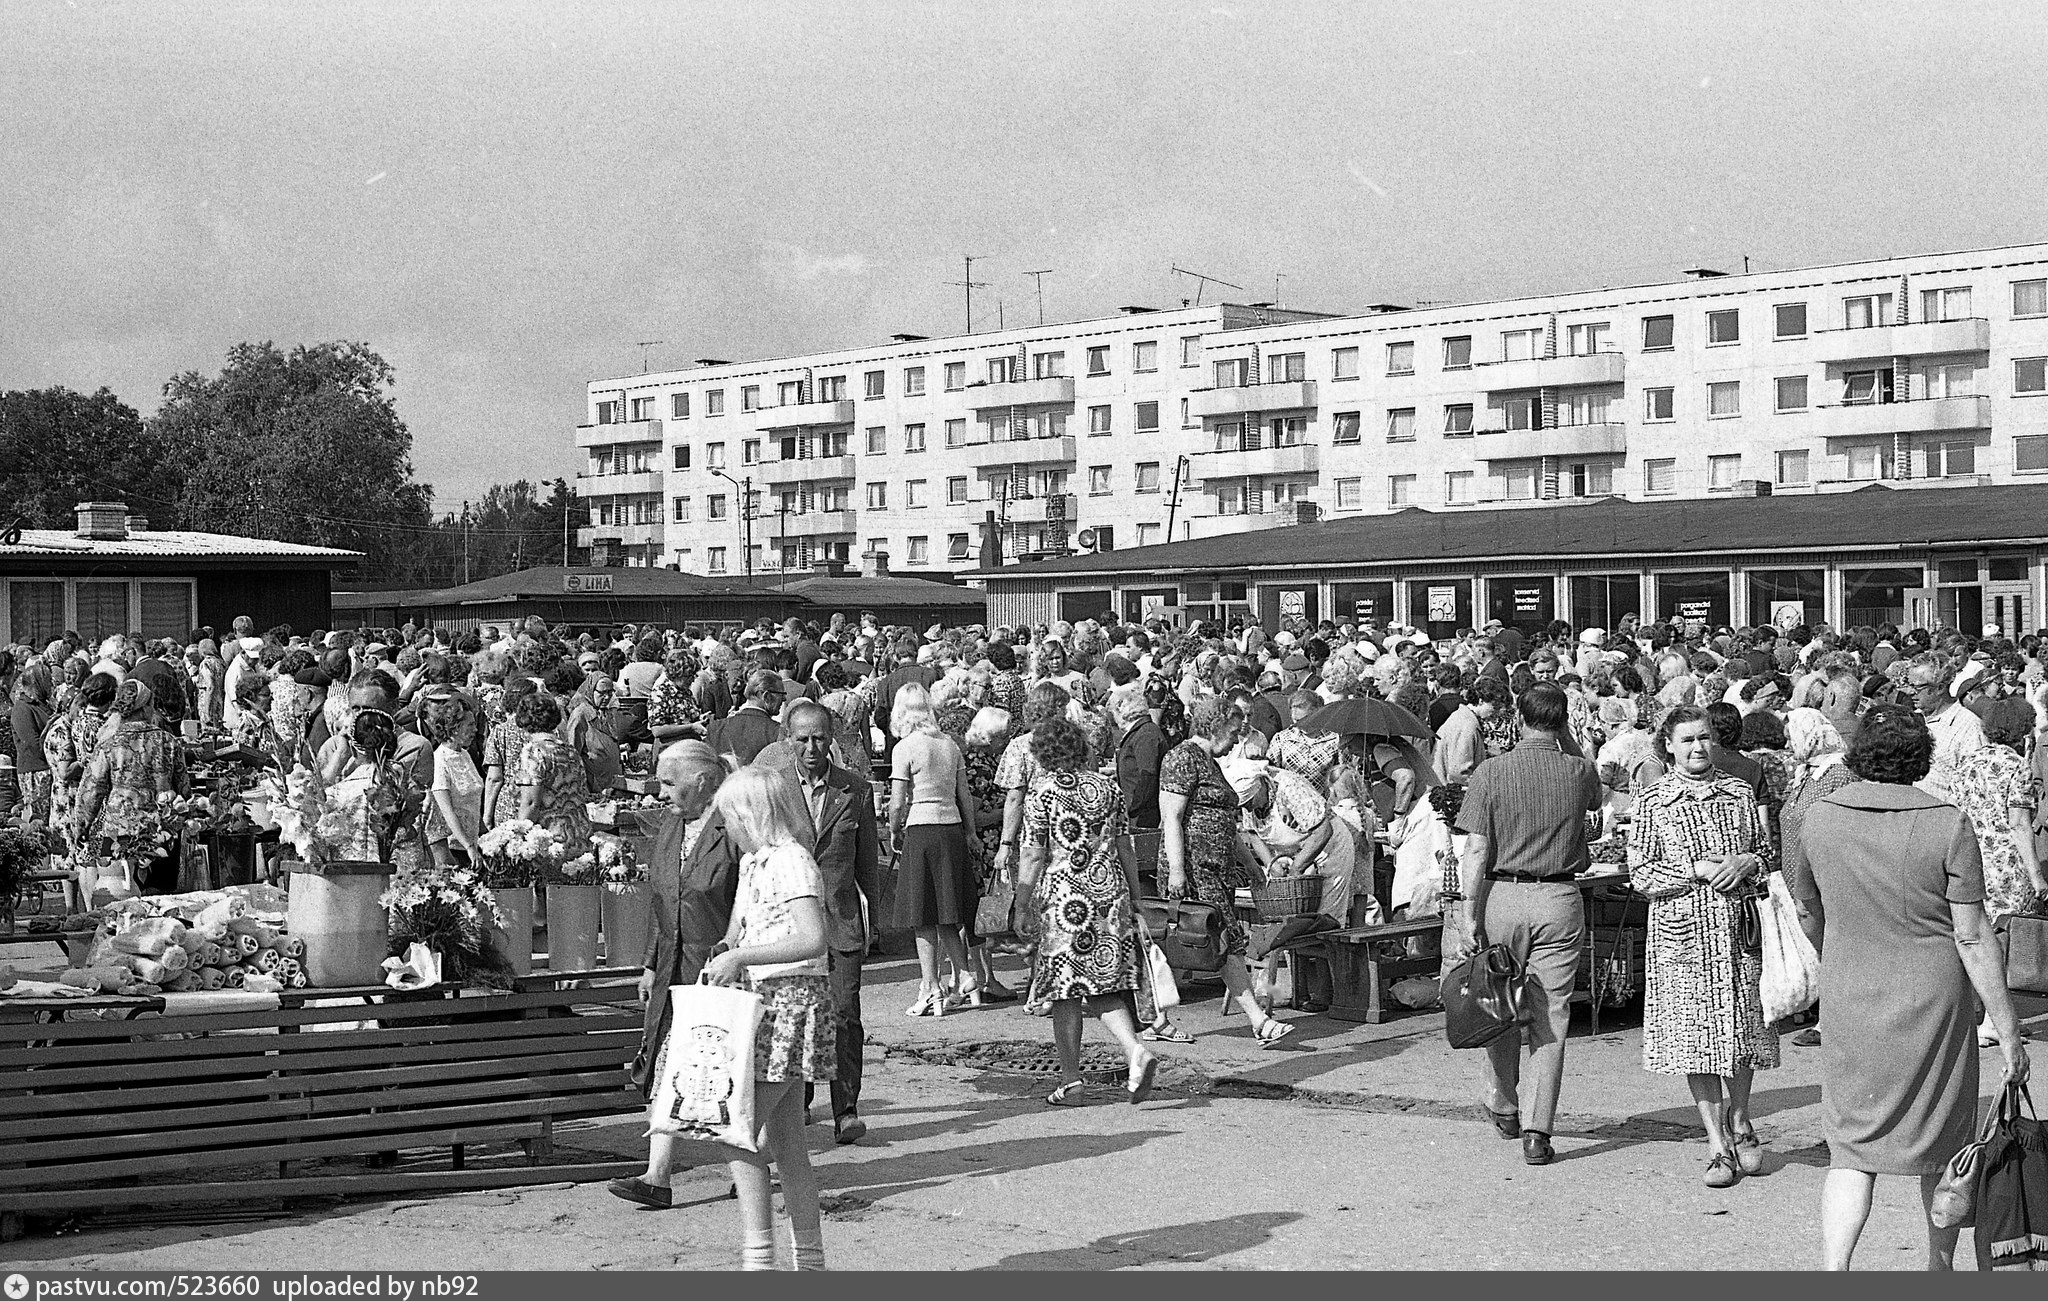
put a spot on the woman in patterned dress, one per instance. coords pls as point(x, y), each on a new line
point(503, 746)
point(1083, 920)
point(1699, 850)
point(1995, 787)
point(135, 766)
point(1197, 848)
point(1305, 751)
point(554, 786)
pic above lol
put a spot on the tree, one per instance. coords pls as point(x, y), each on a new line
point(59, 448)
point(510, 527)
point(304, 446)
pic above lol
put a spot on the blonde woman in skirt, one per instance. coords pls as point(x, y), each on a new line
point(776, 947)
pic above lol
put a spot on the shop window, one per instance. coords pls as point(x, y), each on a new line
point(1786, 597)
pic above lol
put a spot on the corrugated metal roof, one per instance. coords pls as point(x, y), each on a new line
point(1874, 517)
point(833, 593)
point(167, 543)
point(626, 583)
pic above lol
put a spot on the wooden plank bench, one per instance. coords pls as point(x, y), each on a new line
point(157, 1109)
point(1361, 971)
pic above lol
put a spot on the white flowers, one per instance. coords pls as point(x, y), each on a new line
point(522, 841)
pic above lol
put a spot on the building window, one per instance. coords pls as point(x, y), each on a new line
point(913, 381)
point(1945, 304)
point(1957, 380)
point(681, 455)
point(913, 494)
point(611, 413)
point(643, 409)
point(1344, 363)
point(956, 547)
point(1592, 479)
point(1344, 428)
point(750, 451)
point(1191, 350)
point(2030, 454)
point(1658, 333)
point(1724, 326)
point(1098, 421)
point(2030, 375)
point(714, 402)
point(1518, 482)
point(1458, 352)
point(1234, 373)
point(1098, 481)
point(1144, 357)
point(1458, 420)
point(956, 433)
point(878, 440)
point(878, 496)
point(1458, 488)
point(1862, 387)
point(750, 397)
point(1400, 359)
point(1724, 398)
point(714, 506)
point(1187, 419)
point(920, 551)
point(956, 376)
point(1048, 365)
point(1098, 360)
point(1866, 311)
point(1400, 489)
point(1792, 469)
point(956, 490)
point(1147, 477)
point(1791, 392)
point(789, 393)
point(832, 388)
point(913, 438)
point(1585, 340)
point(1148, 535)
point(1658, 405)
point(871, 384)
point(1347, 494)
point(1723, 471)
point(1947, 460)
point(1660, 476)
point(679, 406)
point(714, 456)
point(1788, 320)
point(1287, 368)
point(1147, 417)
point(715, 559)
point(2030, 298)
point(1401, 425)
point(1575, 409)
point(1520, 345)
point(1866, 461)
point(1518, 412)
point(681, 507)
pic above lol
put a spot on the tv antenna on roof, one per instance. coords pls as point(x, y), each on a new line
point(643, 345)
point(1038, 279)
point(970, 284)
point(1202, 282)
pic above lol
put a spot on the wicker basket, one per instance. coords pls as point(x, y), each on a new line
point(1288, 896)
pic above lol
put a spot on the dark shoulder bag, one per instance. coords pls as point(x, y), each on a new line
point(1187, 931)
point(1482, 997)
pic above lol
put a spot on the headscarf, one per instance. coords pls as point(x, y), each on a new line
point(1812, 744)
point(132, 700)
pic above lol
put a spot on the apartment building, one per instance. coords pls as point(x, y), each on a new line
point(1064, 435)
point(1179, 424)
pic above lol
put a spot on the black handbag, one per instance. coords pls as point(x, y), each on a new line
point(1187, 931)
point(1482, 997)
point(2012, 1188)
point(1749, 926)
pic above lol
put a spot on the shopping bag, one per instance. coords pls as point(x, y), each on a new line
point(1158, 974)
point(2012, 1188)
point(1791, 969)
point(1483, 997)
point(704, 1082)
point(2026, 959)
point(1954, 1204)
point(992, 913)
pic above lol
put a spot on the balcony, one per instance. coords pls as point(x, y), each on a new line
point(1919, 338)
point(1884, 419)
point(1550, 372)
point(1568, 440)
point(816, 469)
point(812, 524)
point(1022, 393)
point(804, 414)
point(626, 535)
point(1301, 458)
point(1293, 395)
point(1017, 451)
point(603, 485)
point(623, 431)
point(1038, 510)
point(1216, 526)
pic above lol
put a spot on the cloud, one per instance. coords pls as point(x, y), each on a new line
point(789, 262)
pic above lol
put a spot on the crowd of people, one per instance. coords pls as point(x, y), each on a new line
point(968, 784)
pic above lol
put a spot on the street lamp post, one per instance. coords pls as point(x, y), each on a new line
point(746, 487)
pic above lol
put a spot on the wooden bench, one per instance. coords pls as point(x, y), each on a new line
point(1361, 970)
point(168, 1110)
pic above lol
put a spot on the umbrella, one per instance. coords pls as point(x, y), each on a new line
point(1365, 716)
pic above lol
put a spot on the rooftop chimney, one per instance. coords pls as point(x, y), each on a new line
point(137, 523)
point(102, 521)
point(827, 567)
point(876, 565)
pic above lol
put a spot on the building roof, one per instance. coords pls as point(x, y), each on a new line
point(547, 582)
point(1872, 518)
point(853, 593)
point(169, 544)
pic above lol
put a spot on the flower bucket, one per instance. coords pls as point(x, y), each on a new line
point(627, 914)
point(335, 911)
point(515, 938)
point(573, 913)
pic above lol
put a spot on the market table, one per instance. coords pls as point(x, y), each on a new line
point(115, 1101)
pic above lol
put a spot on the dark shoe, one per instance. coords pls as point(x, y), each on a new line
point(1807, 1038)
point(639, 1190)
point(1722, 1172)
point(996, 991)
point(849, 1128)
point(1536, 1149)
point(1508, 1124)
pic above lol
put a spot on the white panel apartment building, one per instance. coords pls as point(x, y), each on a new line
point(1913, 371)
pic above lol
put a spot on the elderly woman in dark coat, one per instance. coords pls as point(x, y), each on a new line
point(693, 872)
point(1898, 882)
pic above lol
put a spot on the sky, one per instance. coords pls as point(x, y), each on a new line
point(505, 198)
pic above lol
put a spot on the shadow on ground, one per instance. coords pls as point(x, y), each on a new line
point(1196, 1243)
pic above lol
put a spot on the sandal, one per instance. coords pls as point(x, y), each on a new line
point(928, 1004)
point(1169, 1034)
point(1749, 1152)
point(1140, 1086)
point(1723, 1172)
point(1074, 1093)
point(1280, 1030)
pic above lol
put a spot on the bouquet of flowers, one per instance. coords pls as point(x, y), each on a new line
point(451, 911)
point(580, 870)
point(618, 867)
point(516, 851)
point(352, 820)
point(22, 850)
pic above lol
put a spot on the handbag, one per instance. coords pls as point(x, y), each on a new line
point(704, 1082)
point(1188, 931)
point(1791, 969)
point(992, 913)
point(2012, 1188)
point(1954, 1204)
point(1157, 973)
point(2026, 958)
point(1482, 997)
point(1749, 927)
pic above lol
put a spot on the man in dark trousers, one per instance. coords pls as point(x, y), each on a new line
point(1138, 753)
point(749, 729)
point(907, 670)
point(844, 843)
point(693, 875)
point(1524, 819)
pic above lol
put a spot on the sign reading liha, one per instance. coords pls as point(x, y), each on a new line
point(586, 584)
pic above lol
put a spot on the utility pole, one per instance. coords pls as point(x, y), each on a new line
point(782, 562)
point(1038, 279)
point(1277, 278)
point(746, 487)
point(562, 487)
point(1173, 501)
point(644, 345)
point(970, 284)
point(465, 541)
